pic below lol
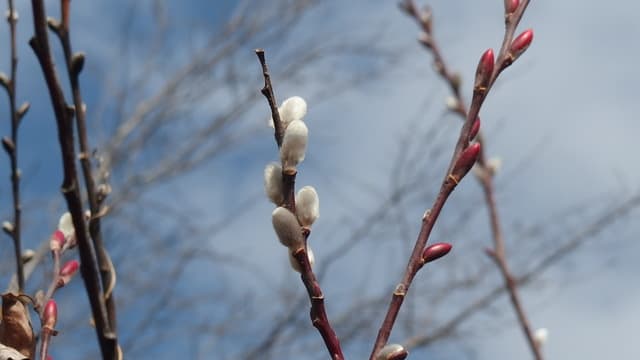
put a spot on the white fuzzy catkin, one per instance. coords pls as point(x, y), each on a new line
point(541, 335)
point(65, 224)
point(389, 350)
point(307, 206)
point(293, 108)
point(287, 228)
point(294, 146)
point(294, 263)
point(273, 183)
point(452, 103)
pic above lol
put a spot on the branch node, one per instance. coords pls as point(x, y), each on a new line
point(77, 63)
point(54, 25)
point(8, 145)
point(23, 109)
point(400, 290)
point(453, 179)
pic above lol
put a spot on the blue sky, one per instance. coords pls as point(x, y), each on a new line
point(567, 108)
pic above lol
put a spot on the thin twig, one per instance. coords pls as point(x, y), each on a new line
point(485, 177)
point(11, 146)
point(267, 91)
point(597, 226)
point(449, 182)
point(428, 222)
point(318, 313)
point(89, 268)
point(74, 64)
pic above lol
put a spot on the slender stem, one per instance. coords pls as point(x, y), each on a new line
point(267, 91)
point(44, 344)
point(104, 262)
point(16, 233)
point(318, 314)
point(499, 257)
point(414, 265)
point(88, 266)
point(485, 178)
point(54, 281)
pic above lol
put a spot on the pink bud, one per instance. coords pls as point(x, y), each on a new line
point(521, 43)
point(56, 242)
point(435, 252)
point(510, 6)
point(50, 314)
point(69, 268)
point(465, 161)
point(475, 128)
point(67, 271)
point(484, 70)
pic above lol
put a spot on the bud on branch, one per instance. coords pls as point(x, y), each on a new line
point(273, 183)
point(294, 146)
point(287, 227)
point(307, 206)
point(520, 44)
point(392, 352)
point(465, 162)
point(484, 71)
point(510, 6)
point(57, 240)
point(50, 315)
point(435, 252)
point(66, 272)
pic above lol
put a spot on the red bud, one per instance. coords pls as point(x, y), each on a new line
point(50, 314)
point(521, 43)
point(435, 252)
point(510, 6)
point(475, 128)
point(69, 268)
point(67, 271)
point(484, 70)
point(56, 242)
point(465, 161)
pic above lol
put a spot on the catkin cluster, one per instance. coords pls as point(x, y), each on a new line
point(289, 227)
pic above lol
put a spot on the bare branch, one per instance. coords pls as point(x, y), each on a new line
point(89, 267)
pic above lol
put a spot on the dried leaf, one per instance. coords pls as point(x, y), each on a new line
point(15, 329)
point(7, 353)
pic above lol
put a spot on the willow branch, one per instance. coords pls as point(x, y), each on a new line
point(486, 174)
point(486, 75)
point(64, 121)
point(74, 63)
point(318, 313)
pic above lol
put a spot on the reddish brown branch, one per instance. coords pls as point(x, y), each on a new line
point(64, 120)
point(267, 91)
point(415, 263)
point(485, 77)
point(486, 173)
point(318, 314)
